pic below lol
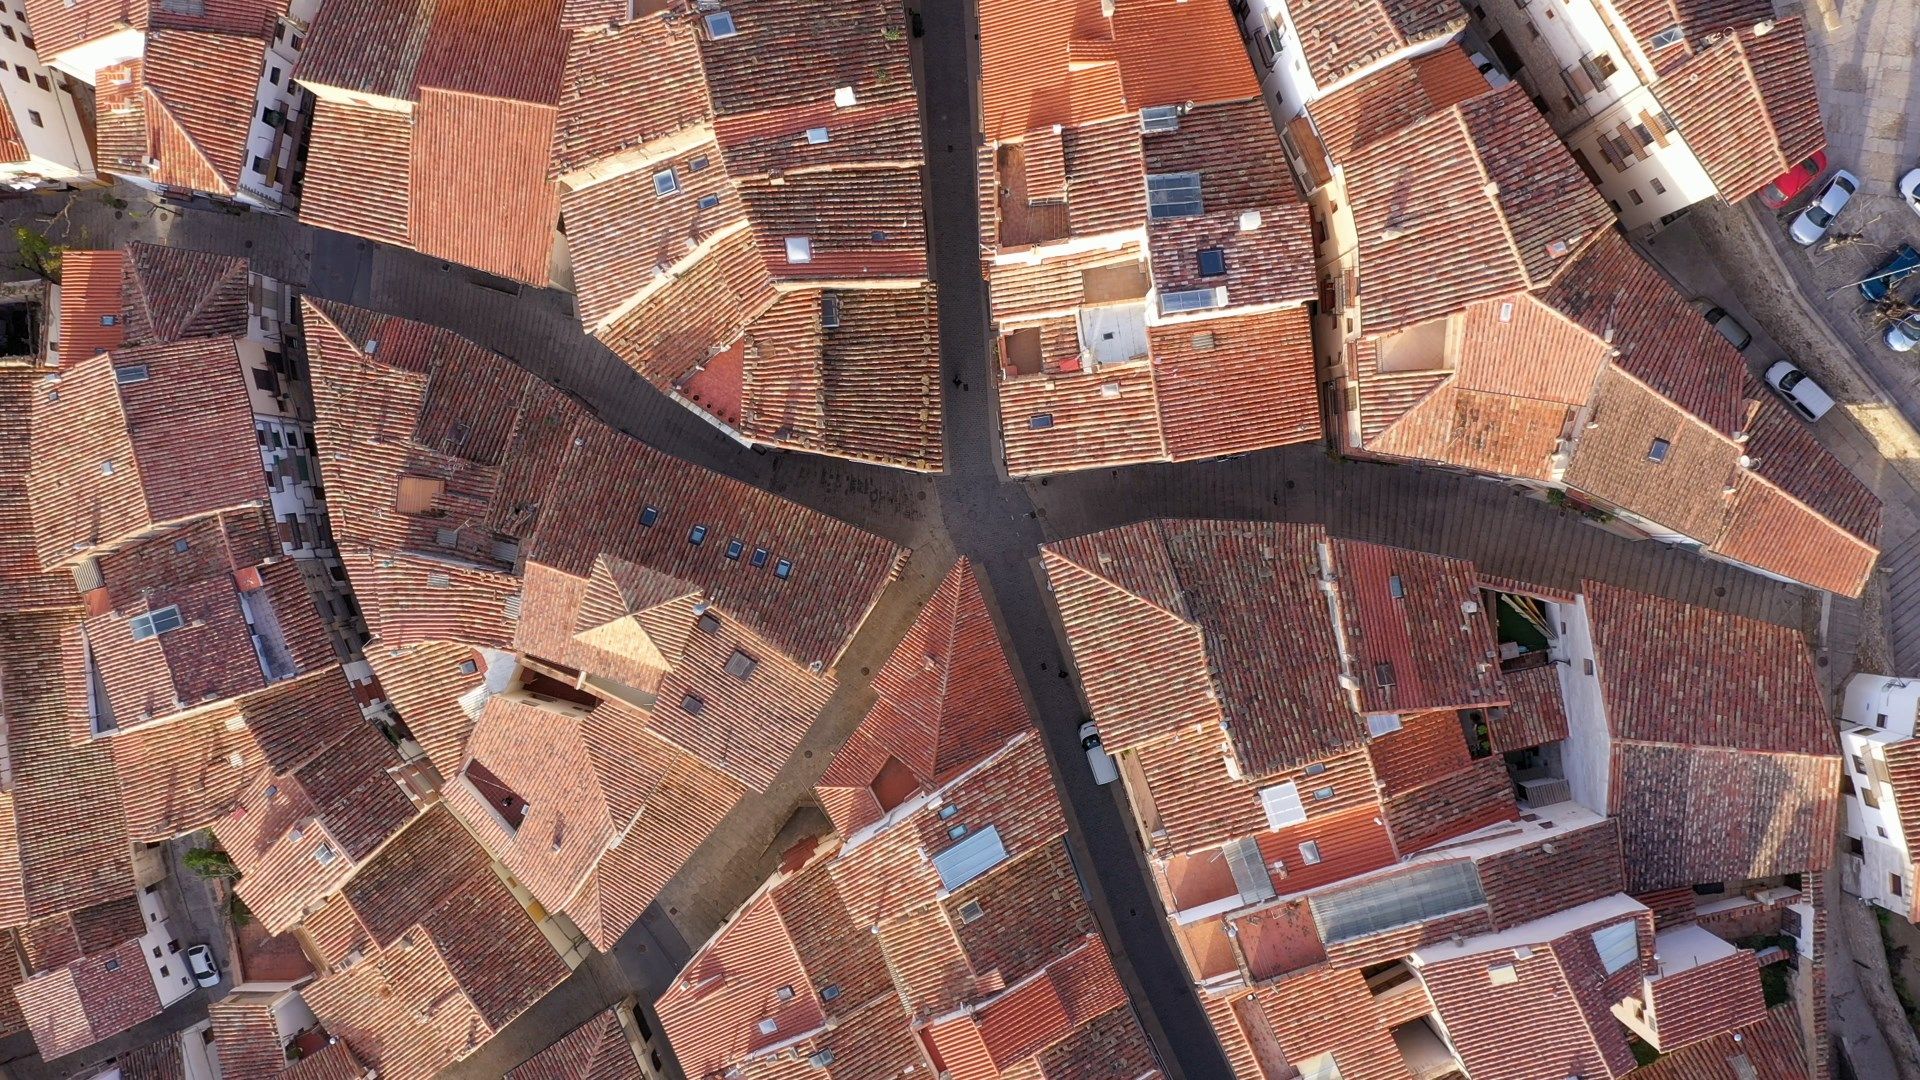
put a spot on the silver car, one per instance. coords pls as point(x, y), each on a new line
point(1902, 336)
point(1812, 223)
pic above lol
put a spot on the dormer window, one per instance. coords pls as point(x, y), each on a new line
point(817, 135)
point(741, 666)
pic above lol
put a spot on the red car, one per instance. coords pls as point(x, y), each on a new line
point(1793, 181)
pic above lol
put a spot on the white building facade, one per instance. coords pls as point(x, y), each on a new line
point(1878, 712)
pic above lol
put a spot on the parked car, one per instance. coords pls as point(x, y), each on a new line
point(1902, 336)
point(1793, 181)
point(1798, 390)
point(200, 962)
point(1892, 272)
point(1098, 760)
point(1813, 222)
point(1726, 325)
point(1910, 190)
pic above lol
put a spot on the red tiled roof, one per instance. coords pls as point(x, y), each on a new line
point(60, 26)
point(1769, 529)
point(596, 1050)
point(90, 294)
point(1422, 649)
point(359, 170)
point(947, 699)
point(1745, 103)
point(171, 293)
point(448, 197)
point(1034, 61)
point(247, 1034)
point(625, 84)
point(23, 585)
point(56, 778)
point(1691, 676)
point(1205, 596)
point(1770, 1049)
point(1080, 421)
point(160, 472)
point(1684, 491)
point(395, 48)
point(1342, 36)
point(1355, 114)
point(1260, 365)
point(1535, 713)
point(1494, 192)
point(424, 684)
point(200, 100)
point(1709, 998)
point(92, 998)
point(1560, 869)
point(1554, 1015)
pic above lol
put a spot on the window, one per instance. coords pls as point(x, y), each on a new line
point(1383, 673)
point(1282, 804)
point(1160, 118)
point(323, 855)
point(1658, 187)
point(691, 704)
point(955, 832)
point(783, 569)
point(1672, 35)
point(949, 810)
point(109, 320)
point(741, 666)
point(130, 373)
point(971, 911)
point(1322, 794)
point(1382, 723)
point(799, 249)
point(827, 992)
point(1397, 587)
point(665, 183)
point(259, 165)
point(1657, 453)
point(708, 202)
point(844, 98)
point(1880, 720)
point(698, 164)
point(720, 25)
point(697, 535)
point(1212, 261)
point(1315, 769)
point(1310, 852)
point(760, 556)
point(1588, 665)
point(1618, 945)
point(1171, 195)
point(769, 1025)
point(106, 468)
point(1633, 196)
point(8, 30)
point(41, 82)
point(180, 546)
point(469, 667)
point(1893, 885)
point(34, 116)
point(1040, 421)
point(112, 963)
point(818, 135)
point(273, 76)
point(1191, 300)
point(1856, 846)
point(829, 311)
point(650, 516)
point(735, 547)
point(1859, 766)
point(155, 623)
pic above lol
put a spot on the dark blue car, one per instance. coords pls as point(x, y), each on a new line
point(1897, 269)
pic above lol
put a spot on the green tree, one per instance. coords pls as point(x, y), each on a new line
point(210, 863)
point(38, 254)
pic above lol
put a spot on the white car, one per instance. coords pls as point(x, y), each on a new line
point(1726, 325)
point(1812, 223)
point(200, 961)
point(1902, 336)
point(1099, 762)
point(1910, 190)
point(1798, 390)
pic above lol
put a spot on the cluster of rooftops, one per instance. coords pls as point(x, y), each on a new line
point(462, 679)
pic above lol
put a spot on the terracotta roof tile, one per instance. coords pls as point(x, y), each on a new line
point(1420, 649)
point(1261, 363)
point(200, 101)
point(57, 778)
point(160, 474)
point(1685, 491)
point(622, 234)
point(447, 195)
point(1560, 870)
point(172, 293)
point(59, 26)
point(359, 170)
point(1535, 714)
point(1691, 676)
point(1353, 115)
point(92, 998)
point(1706, 999)
point(1313, 1014)
point(947, 698)
point(248, 1036)
point(1745, 103)
point(788, 51)
point(1771, 1049)
point(1452, 805)
point(1340, 38)
point(1768, 529)
point(728, 287)
point(1081, 421)
point(1493, 433)
point(120, 118)
point(596, 1050)
point(625, 84)
point(23, 585)
point(89, 295)
point(1786, 454)
point(424, 684)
